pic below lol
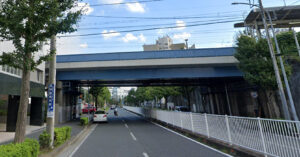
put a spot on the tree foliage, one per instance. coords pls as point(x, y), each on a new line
point(287, 43)
point(100, 94)
point(151, 93)
point(29, 24)
point(255, 60)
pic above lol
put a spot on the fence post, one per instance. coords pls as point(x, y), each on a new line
point(192, 124)
point(228, 129)
point(180, 120)
point(262, 136)
point(206, 123)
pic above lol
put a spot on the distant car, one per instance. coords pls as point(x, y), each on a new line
point(100, 116)
point(182, 109)
point(113, 107)
point(89, 109)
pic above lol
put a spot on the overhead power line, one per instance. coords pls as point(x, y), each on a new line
point(122, 3)
point(151, 25)
point(155, 28)
point(158, 18)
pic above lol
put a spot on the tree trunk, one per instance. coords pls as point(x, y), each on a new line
point(22, 112)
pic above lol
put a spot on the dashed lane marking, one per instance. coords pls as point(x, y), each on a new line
point(145, 154)
point(133, 137)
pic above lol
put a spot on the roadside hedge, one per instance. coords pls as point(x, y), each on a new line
point(61, 135)
point(29, 148)
point(84, 121)
point(44, 140)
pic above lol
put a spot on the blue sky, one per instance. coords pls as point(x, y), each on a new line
point(213, 35)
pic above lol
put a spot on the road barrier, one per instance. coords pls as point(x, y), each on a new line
point(267, 136)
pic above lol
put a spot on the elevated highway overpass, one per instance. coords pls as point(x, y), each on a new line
point(172, 67)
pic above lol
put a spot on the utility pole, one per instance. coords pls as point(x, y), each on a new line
point(286, 82)
point(296, 40)
point(51, 93)
point(276, 69)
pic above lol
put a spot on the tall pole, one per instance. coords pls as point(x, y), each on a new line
point(286, 82)
point(52, 82)
point(296, 40)
point(276, 69)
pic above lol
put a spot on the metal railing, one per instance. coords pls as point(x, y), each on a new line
point(267, 136)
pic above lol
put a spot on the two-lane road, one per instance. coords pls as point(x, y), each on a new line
point(129, 135)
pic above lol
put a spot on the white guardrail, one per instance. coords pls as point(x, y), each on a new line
point(270, 137)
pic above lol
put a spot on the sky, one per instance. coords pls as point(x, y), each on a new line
point(191, 12)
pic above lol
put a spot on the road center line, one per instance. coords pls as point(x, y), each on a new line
point(126, 125)
point(145, 154)
point(133, 137)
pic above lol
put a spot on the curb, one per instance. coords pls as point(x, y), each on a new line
point(59, 149)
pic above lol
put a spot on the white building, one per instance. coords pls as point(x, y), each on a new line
point(165, 43)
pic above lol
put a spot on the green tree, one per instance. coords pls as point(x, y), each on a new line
point(100, 94)
point(29, 24)
point(255, 62)
point(287, 43)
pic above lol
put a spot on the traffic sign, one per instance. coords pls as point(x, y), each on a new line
point(51, 101)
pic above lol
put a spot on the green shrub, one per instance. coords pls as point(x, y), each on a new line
point(44, 140)
point(84, 121)
point(61, 135)
point(29, 148)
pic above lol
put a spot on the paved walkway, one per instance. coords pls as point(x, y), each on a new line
point(34, 132)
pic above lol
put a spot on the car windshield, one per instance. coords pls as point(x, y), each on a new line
point(99, 112)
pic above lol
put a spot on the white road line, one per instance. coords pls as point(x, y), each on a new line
point(75, 150)
point(133, 137)
point(145, 154)
point(192, 140)
point(126, 125)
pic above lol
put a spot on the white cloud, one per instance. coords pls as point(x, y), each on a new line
point(180, 25)
point(85, 7)
point(85, 45)
point(66, 45)
point(182, 36)
point(110, 1)
point(142, 38)
point(136, 7)
point(132, 7)
point(129, 37)
point(110, 34)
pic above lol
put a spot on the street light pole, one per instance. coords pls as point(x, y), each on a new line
point(286, 82)
point(276, 69)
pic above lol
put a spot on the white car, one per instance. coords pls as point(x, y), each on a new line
point(100, 116)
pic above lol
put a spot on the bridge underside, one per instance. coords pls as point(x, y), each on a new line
point(152, 76)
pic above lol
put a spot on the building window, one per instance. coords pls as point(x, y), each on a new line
point(39, 76)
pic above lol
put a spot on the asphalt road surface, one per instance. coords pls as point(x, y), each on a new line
point(129, 135)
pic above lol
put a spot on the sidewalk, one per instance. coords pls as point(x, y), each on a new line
point(35, 131)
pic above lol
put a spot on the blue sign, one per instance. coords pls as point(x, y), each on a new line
point(51, 101)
